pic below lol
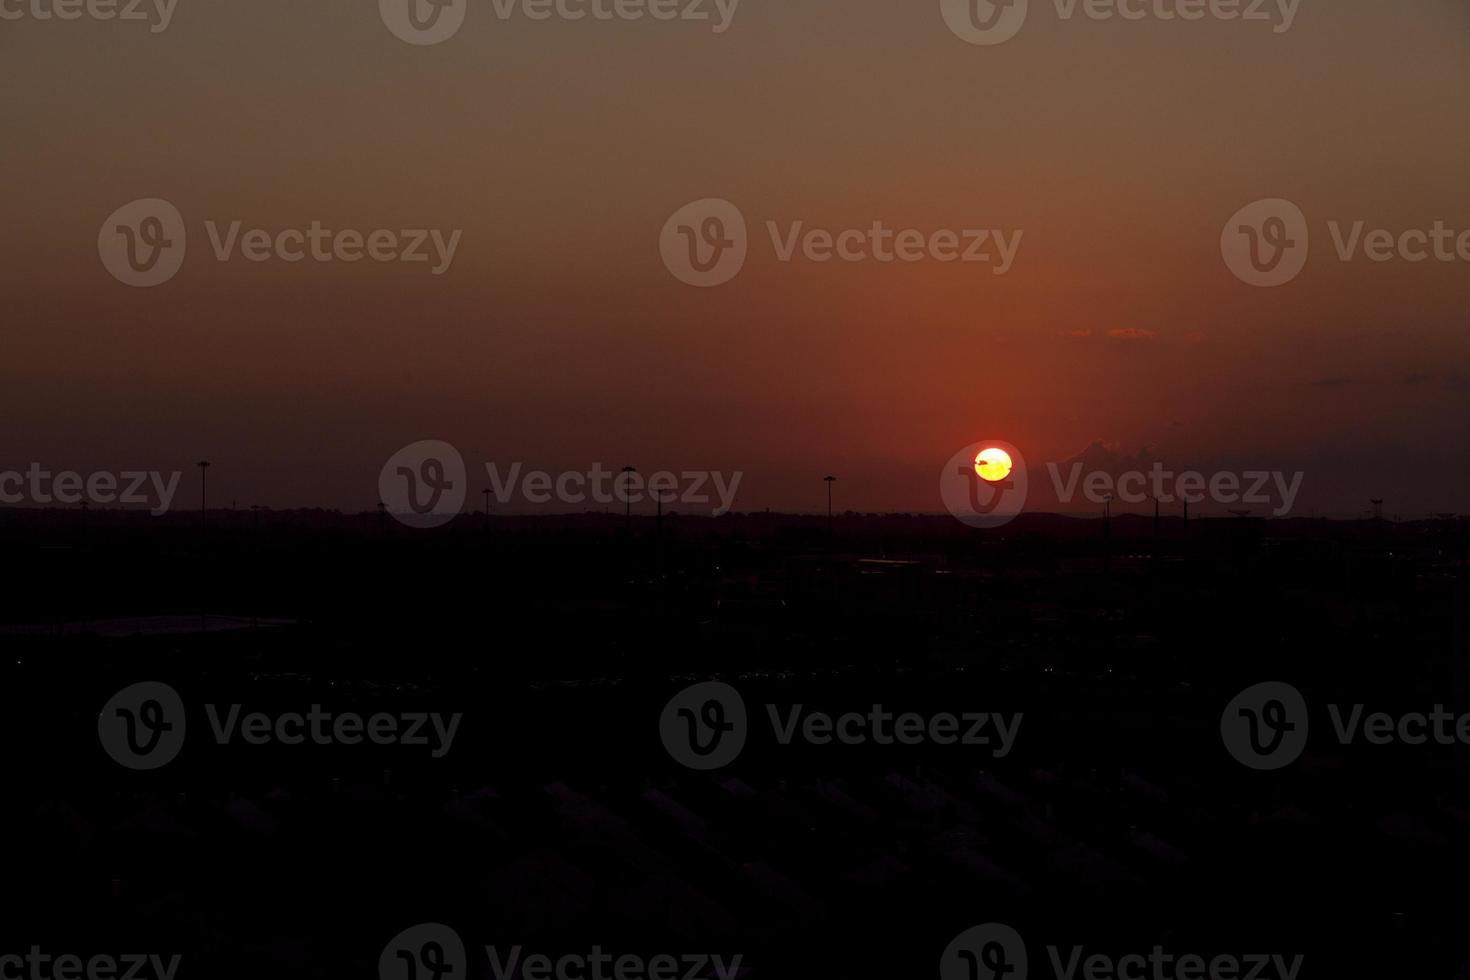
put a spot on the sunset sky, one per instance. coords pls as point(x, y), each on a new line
point(558, 338)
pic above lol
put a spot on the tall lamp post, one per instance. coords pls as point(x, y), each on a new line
point(83, 549)
point(255, 554)
point(829, 480)
point(203, 465)
point(628, 501)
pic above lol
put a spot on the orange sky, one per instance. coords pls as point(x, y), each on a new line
point(558, 337)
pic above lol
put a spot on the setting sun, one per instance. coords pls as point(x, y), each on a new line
point(993, 465)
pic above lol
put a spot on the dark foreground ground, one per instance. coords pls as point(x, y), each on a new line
point(559, 821)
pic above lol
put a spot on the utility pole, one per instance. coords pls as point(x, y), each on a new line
point(203, 465)
point(829, 481)
point(255, 549)
point(628, 501)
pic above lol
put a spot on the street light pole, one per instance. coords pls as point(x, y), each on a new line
point(203, 465)
point(255, 555)
point(829, 481)
point(628, 502)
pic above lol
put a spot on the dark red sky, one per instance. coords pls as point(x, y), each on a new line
point(558, 338)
